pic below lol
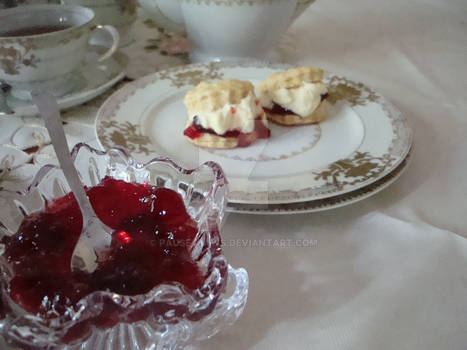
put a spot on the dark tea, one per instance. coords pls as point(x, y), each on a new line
point(34, 30)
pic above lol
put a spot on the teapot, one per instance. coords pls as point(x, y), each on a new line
point(227, 29)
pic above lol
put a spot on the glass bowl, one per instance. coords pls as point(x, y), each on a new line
point(169, 316)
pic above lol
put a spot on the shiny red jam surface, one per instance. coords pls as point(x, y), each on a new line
point(195, 131)
point(150, 245)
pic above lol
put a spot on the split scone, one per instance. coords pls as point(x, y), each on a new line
point(295, 97)
point(224, 114)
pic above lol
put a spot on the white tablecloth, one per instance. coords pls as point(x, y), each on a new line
point(389, 272)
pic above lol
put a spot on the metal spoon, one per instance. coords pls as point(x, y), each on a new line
point(95, 235)
point(4, 108)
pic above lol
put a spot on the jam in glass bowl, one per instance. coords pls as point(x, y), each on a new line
point(162, 282)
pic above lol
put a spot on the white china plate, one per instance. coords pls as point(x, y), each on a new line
point(364, 138)
point(325, 203)
point(95, 79)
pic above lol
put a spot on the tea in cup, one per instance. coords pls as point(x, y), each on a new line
point(42, 47)
point(119, 13)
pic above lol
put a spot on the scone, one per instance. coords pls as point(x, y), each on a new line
point(295, 97)
point(224, 114)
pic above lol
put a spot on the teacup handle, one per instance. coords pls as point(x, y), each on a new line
point(115, 40)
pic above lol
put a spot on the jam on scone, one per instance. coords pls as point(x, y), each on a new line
point(224, 114)
point(295, 97)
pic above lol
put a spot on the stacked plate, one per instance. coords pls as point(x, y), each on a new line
point(361, 148)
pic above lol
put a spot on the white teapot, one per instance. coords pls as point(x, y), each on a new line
point(227, 29)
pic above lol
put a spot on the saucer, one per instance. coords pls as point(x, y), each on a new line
point(94, 79)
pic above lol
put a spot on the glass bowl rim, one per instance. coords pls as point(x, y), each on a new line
point(131, 302)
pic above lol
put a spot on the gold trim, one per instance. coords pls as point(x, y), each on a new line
point(15, 52)
point(181, 78)
point(112, 133)
point(356, 94)
point(326, 203)
point(360, 167)
point(18, 55)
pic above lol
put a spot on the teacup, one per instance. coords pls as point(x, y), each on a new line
point(42, 47)
point(233, 29)
point(119, 13)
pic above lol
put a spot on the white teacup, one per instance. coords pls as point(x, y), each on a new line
point(119, 13)
point(233, 29)
point(42, 47)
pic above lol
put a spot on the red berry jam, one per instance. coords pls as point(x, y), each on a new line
point(151, 244)
point(192, 132)
point(195, 131)
point(278, 109)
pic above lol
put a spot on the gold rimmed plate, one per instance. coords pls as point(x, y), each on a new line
point(326, 203)
point(364, 139)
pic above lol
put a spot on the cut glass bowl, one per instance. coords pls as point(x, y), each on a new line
point(173, 316)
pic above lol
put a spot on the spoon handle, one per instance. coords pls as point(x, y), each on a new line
point(50, 113)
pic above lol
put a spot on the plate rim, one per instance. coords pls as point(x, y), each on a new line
point(121, 96)
point(335, 202)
